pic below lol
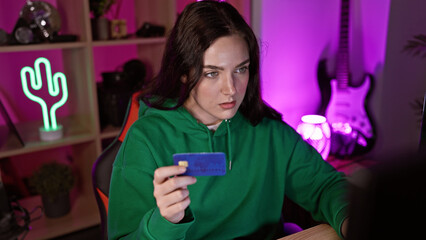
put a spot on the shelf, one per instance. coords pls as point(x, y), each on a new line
point(110, 132)
point(130, 41)
point(42, 47)
point(84, 214)
point(75, 132)
point(71, 45)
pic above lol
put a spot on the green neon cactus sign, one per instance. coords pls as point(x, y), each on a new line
point(52, 86)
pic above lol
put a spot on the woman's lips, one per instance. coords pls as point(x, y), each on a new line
point(228, 105)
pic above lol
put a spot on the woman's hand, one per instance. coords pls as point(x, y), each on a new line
point(171, 192)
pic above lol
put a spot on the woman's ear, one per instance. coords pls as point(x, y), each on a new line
point(184, 79)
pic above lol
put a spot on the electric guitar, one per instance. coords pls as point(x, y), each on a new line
point(345, 106)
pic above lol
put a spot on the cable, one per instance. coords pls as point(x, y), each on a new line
point(18, 221)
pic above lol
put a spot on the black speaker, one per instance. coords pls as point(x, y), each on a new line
point(116, 89)
point(150, 30)
point(113, 95)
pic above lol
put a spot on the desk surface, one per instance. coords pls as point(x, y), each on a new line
point(319, 232)
point(349, 166)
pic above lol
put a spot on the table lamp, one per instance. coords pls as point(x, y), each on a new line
point(315, 130)
point(51, 130)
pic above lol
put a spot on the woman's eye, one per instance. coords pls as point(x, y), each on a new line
point(211, 74)
point(242, 69)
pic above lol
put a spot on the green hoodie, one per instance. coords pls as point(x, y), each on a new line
point(268, 160)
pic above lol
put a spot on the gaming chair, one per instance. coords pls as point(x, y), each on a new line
point(102, 168)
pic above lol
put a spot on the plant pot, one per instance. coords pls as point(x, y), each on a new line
point(56, 207)
point(100, 28)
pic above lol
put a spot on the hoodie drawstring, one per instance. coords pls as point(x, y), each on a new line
point(229, 142)
point(210, 141)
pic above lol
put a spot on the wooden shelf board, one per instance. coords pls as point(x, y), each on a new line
point(39, 146)
point(75, 132)
point(42, 46)
point(349, 166)
point(84, 214)
point(110, 132)
point(129, 41)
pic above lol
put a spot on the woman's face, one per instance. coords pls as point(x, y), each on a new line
point(222, 86)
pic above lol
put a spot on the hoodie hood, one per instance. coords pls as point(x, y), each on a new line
point(181, 119)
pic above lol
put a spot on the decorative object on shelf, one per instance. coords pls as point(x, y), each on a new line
point(150, 30)
point(38, 21)
point(4, 37)
point(63, 38)
point(134, 73)
point(54, 181)
point(12, 129)
point(100, 7)
point(56, 84)
point(22, 33)
point(116, 89)
point(100, 28)
point(118, 28)
point(100, 24)
point(315, 130)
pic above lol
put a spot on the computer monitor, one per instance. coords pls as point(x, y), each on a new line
point(388, 201)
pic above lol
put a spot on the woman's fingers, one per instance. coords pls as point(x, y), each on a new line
point(175, 212)
point(172, 198)
point(171, 192)
point(163, 173)
point(165, 184)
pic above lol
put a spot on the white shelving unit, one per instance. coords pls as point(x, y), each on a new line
point(82, 131)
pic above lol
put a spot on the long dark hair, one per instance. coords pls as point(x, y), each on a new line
point(197, 27)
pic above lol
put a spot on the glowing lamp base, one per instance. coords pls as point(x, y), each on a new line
point(315, 130)
point(51, 135)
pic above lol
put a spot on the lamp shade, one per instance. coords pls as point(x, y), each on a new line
point(315, 130)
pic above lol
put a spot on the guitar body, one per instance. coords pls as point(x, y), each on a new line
point(347, 106)
point(346, 110)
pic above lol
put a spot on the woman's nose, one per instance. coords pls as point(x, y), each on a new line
point(228, 87)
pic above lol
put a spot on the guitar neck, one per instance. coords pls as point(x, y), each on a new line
point(342, 61)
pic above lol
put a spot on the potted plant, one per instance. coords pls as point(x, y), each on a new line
point(100, 24)
point(53, 181)
point(417, 47)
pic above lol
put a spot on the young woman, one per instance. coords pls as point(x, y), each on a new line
point(206, 98)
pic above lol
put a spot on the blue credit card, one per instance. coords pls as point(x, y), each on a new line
point(202, 164)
